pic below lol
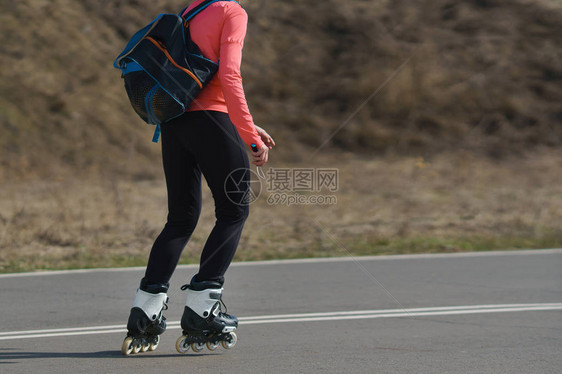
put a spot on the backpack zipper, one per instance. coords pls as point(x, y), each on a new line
point(162, 47)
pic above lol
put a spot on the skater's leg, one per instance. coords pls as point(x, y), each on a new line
point(183, 182)
point(228, 154)
point(221, 245)
point(204, 321)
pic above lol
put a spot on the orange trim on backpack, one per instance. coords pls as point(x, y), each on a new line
point(162, 47)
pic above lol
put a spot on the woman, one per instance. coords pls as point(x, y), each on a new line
point(209, 139)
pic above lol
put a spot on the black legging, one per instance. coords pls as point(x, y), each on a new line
point(200, 142)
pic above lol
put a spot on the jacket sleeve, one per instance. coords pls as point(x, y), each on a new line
point(231, 44)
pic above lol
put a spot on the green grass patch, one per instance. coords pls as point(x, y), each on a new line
point(351, 246)
point(446, 245)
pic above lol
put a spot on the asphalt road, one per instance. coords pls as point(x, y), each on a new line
point(496, 312)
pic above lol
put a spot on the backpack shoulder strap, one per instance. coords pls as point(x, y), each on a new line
point(193, 12)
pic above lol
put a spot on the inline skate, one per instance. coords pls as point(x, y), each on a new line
point(203, 322)
point(146, 322)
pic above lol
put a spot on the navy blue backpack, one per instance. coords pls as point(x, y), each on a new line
point(163, 68)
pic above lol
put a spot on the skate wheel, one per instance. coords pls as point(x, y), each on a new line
point(181, 345)
point(211, 346)
point(154, 343)
point(197, 347)
point(230, 342)
point(144, 347)
point(137, 348)
point(127, 347)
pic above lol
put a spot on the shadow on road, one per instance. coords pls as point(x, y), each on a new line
point(8, 355)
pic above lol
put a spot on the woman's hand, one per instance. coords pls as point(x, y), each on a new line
point(261, 156)
point(265, 137)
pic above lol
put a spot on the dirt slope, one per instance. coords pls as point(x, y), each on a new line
point(483, 75)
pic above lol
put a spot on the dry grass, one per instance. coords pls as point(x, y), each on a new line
point(453, 202)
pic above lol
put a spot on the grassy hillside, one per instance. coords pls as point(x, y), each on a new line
point(482, 75)
point(479, 74)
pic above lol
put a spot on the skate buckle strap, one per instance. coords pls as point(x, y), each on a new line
point(216, 310)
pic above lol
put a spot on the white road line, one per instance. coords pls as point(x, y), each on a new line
point(303, 317)
point(406, 314)
point(522, 252)
point(62, 330)
point(410, 310)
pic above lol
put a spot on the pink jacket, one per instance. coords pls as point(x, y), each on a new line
point(219, 31)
